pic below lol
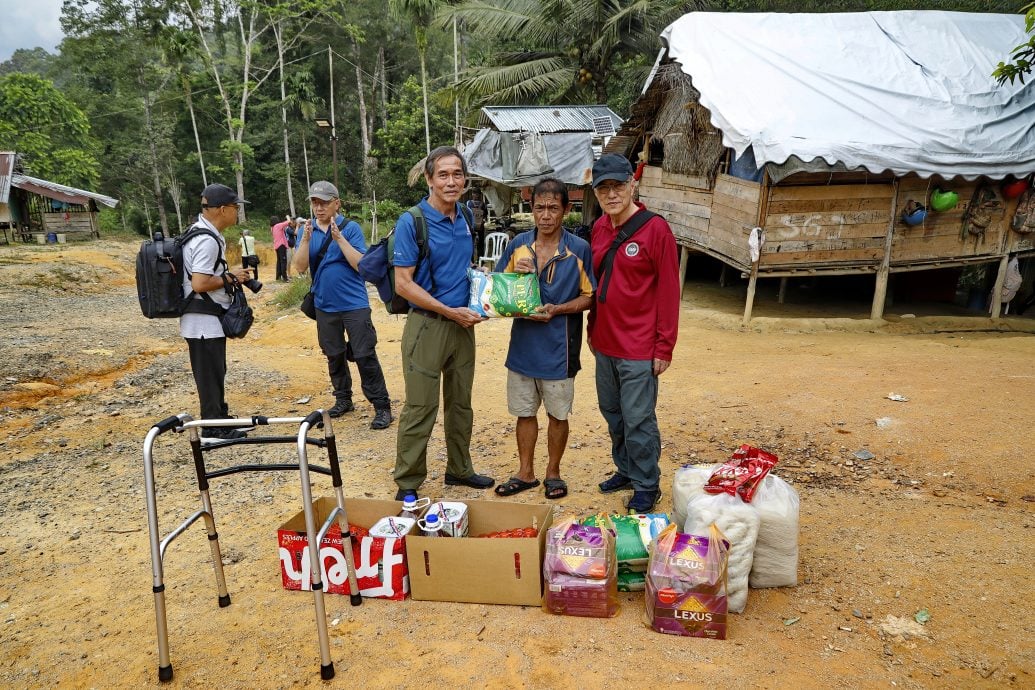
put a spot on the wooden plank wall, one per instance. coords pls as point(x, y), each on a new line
point(78, 221)
point(734, 212)
point(841, 224)
point(939, 235)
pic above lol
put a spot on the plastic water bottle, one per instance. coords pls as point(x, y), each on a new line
point(412, 505)
point(430, 526)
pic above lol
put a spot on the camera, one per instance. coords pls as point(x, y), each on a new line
point(252, 284)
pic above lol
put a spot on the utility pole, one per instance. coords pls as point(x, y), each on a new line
point(334, 131)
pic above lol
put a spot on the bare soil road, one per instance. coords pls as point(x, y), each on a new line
point(940, 519)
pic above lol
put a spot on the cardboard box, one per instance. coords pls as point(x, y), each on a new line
point(483, 571)
point(380, 561)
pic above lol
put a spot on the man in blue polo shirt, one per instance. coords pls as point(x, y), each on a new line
point(544, 349)
point(438, 339)
point(333, 247)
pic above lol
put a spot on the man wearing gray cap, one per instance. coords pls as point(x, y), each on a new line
point(205, 278)
point(332, 246)
point(632, 326)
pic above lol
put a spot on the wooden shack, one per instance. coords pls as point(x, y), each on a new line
point(816, 215)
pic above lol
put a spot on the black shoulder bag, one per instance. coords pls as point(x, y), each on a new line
point(637, 221)
point(308, 305)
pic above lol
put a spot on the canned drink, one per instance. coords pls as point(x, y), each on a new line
point(453, 515)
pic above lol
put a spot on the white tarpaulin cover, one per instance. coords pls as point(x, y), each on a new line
point(900, 91)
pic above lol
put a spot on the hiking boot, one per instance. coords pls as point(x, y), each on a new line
point(340, 408)
point(616, 482)
point(475, 481)
point(643, 501)
point(382, 418)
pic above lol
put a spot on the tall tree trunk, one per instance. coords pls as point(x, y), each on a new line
point(194, 127)
point(422, 49)
point(284, 120)
point(363, 129)
point(384, 86)
point(156, 181)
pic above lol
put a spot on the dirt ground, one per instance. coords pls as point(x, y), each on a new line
point(940, 519)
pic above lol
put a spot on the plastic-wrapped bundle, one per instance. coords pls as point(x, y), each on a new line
point(580, 570)
point(775, 563)
point(504, 294)
point(688, 482)
point(633, 535)
point(686, 584)
point(739, 523)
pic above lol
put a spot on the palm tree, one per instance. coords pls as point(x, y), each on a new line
point(420, 13)
point(558, 50)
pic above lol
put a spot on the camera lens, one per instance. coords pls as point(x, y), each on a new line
point(252, 284)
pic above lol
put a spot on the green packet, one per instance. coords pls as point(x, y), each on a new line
point(504, 294)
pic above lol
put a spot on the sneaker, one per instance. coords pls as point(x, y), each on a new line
point(382, 418)
point(340, 408)
point(223, 433)
point(643, 501)
point(475, 481)
point(616, 482)
point(404, 494)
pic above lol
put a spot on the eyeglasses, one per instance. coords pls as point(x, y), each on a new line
point(320, 203)
point(606, 189)
point(219, 205)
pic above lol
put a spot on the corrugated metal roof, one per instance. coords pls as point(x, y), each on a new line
point(544, 118)
point(61, 192)
point(6, 168)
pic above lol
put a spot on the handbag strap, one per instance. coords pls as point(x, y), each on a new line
point(637, 221)
point(320, 254)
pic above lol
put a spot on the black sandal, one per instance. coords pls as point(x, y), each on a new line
point(555, 488)
point(515, 485)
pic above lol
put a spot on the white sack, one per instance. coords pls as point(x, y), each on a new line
point(688, 482)
point(775, 562)
point(738, 522)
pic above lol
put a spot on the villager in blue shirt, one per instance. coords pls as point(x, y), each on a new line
point(545, 349)
point(332, 247)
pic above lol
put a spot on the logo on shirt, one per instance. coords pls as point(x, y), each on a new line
point(632, 249)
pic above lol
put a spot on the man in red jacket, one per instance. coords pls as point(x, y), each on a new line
point(632, 326)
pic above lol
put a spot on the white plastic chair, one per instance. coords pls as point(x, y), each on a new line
point(495, 243)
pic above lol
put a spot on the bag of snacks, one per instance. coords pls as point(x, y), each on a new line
point(580, 570)
point(504, 294)
point(686, 584)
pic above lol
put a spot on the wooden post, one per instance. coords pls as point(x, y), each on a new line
point(684, 255)
point(722, 276)
point(783, 290)
point(996, 306)
point(880, 290)
point(763, 204)
point(749, 303)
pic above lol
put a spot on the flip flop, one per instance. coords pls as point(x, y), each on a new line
point(555, 488)
point(515, 485)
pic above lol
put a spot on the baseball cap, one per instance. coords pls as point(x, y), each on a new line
point(611, 166)
point(300, 220)
point(323, 190)
point(216, 195)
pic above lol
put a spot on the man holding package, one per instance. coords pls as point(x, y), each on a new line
point(334, 246)
point(632, 326)
point(438, 339)
point(545, 348)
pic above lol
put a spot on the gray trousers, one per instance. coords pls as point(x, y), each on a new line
point(627, 393)
point(331, 328)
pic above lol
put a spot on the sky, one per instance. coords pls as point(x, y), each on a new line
point(29, 24)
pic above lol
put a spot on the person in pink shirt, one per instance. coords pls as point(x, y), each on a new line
point(280, 245)
point(632, 326)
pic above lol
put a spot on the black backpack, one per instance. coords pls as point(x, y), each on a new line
point(376, 266)
point(160, 277)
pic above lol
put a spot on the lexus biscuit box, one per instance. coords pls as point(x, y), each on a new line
point(380, 561)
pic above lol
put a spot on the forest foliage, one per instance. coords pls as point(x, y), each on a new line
point(148, 100)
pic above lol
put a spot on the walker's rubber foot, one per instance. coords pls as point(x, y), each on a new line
point(356, 599)
point(165, 673)
point(224, 601)
point(327, 672)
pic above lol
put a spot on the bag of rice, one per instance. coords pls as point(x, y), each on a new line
point(775, 563)
point(738, 522)
point(689, 481)
point(504, 294)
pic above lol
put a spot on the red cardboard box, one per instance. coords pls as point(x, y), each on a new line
point(380, 561)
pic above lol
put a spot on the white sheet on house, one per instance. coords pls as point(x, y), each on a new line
point(570, 155)
point(901, 91)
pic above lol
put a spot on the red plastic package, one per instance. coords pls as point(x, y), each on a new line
point(742, 474)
